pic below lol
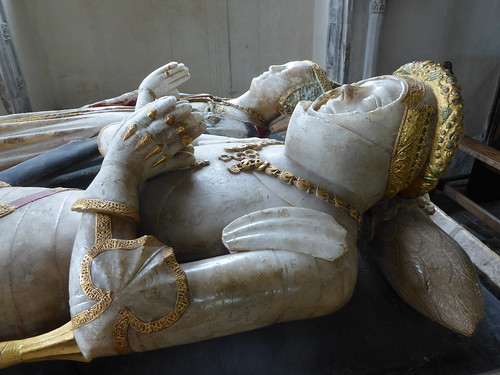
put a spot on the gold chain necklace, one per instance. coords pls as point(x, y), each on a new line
point(215, 102)
point(249, 160)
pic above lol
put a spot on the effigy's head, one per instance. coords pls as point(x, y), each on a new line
point(288, 84)
point(400, 129)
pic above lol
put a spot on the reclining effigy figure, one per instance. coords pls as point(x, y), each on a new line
point(246, 235)
point(264, 109)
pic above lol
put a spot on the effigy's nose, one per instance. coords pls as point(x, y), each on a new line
point(276, 68)
point(347, 92)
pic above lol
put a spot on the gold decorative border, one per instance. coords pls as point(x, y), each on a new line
point(104, 297)
point(126, 319)
point(409, 148)
point(449, 126)
point(321, 77)
point(105, 242)
point(306, 91)
point(411, 141)
point(57, 115)
point(105, 207)
point(415, 92)
point(6, 209)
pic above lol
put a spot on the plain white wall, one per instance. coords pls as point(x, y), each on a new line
point(465, 32)
point(79, 51)
point(320, 36)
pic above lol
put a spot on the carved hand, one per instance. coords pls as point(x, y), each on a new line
point(162, 82)
point(155, 139)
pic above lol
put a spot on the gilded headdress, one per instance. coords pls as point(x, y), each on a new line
point(407, 176)
point(306, 91)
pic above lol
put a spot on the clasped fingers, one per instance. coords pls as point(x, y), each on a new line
point(153, 135)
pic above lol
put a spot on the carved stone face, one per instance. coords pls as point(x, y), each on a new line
point(347, 136)
point(282, 74)
point(371, 108)
point(271, 84)
point(363, 96)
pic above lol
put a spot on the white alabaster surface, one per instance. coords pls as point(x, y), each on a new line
point(266, 89)
point(188, 209)
point(255, 250)
point(254, 286)
point(230, 292)
point(35, 249)
point(360, 179)
point(259, 289)
point(429, 270)
point(23, 136)
point(364, 96)
point(287, 228)
point(371, 109)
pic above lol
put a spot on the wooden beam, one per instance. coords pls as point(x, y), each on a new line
point(491, 220)
point(485, 153)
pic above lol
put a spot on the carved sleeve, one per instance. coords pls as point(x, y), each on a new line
point(121, 285)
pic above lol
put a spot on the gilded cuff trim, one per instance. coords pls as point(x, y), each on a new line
point(105, 207)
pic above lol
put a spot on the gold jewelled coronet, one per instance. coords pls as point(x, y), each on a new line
point(449, 123)
point(306, 91)
point(105, 207)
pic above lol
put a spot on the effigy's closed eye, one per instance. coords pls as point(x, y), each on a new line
point(371, 103)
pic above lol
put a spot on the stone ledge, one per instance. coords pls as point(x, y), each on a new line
point(485, 259)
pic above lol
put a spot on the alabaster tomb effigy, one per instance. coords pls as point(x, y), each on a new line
point(172, 244)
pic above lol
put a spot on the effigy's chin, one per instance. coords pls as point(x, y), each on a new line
point(429, 271)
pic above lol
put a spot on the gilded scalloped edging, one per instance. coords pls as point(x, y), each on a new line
point(126, 319)
point(103, 242)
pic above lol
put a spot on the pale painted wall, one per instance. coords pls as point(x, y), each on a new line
point(79, 51)
point(464, 32)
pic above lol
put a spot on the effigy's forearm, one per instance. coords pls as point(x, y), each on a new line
point(217, 297)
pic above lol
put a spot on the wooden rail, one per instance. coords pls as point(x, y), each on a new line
point(486, 154)
point(489, 156)
point(486, 217)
